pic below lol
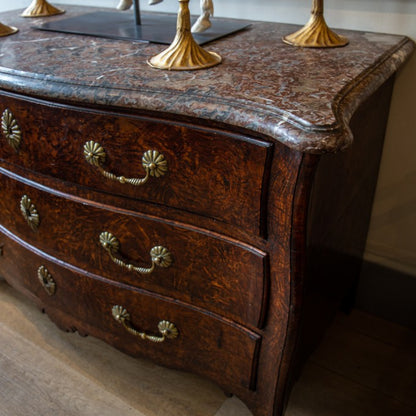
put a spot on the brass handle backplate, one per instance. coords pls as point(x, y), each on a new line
point(153, 162)
point(46, 280)
point(167, 329)
point(160, 256)
point(11, 129)
point(29, 212)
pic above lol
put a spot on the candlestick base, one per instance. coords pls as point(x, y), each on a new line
point(316, 34)
point(7, 30)
point(184, 54)
point(41, 8)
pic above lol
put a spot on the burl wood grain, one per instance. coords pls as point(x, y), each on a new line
point(209, 271)
point(218, 175)
point(283, 176)
point(84, 303)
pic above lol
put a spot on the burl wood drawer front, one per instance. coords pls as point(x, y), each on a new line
point(214, 273)
point(88, 305)
point(203, 171)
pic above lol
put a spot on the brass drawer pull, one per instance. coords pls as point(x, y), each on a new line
point(11, 129)
point(153, 162)
point(46, 280)
point(166, 328)
point(29, 212)
point(159, 255)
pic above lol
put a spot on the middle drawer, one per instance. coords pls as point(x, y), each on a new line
point(207, 270)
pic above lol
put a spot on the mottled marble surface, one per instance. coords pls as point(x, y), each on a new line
point(303, 98)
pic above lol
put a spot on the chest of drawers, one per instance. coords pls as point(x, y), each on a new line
point(209, 221)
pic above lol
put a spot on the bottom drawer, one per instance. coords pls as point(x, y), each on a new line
point(204, 343)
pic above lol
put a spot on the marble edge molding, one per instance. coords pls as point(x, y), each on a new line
point(352, 95)
point(267, 120)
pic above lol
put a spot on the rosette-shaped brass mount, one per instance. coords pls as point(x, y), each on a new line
point(41, 8)
point(11, 129)
point(167, 329)
point(184, 53)
point(7, 30)
point(29, 212)
point(316, 33)
point(46, 280)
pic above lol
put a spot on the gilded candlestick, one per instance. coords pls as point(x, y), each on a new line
point(41, 8)
point(316, 33)
point(184, 53)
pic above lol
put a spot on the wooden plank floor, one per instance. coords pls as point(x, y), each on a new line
point(364, 367)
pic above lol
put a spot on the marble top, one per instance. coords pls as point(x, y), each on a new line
point(303, 98)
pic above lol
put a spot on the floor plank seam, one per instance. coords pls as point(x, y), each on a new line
point(378, 338)
point(410, 407)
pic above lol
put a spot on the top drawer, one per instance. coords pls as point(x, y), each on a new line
point(218, 175)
